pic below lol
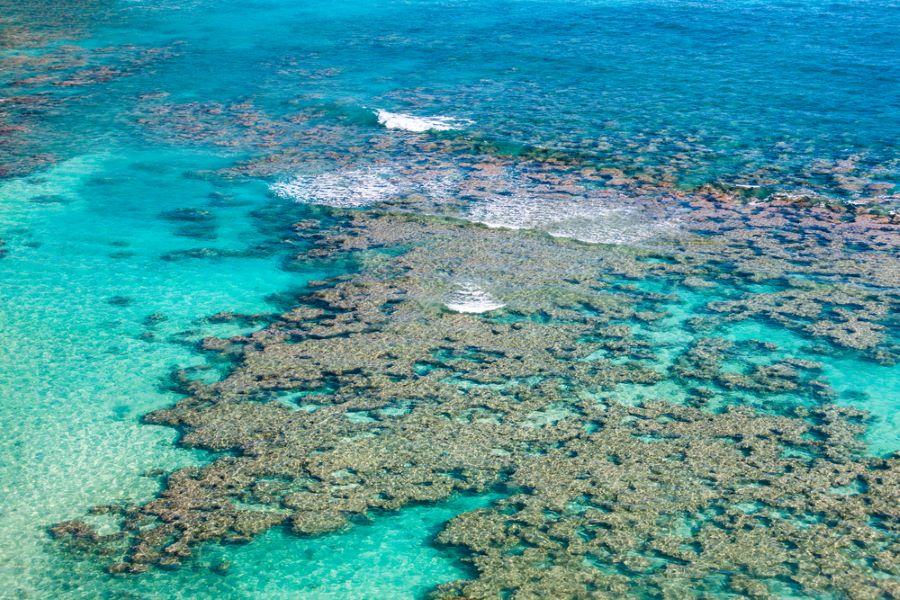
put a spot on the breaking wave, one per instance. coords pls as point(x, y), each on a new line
point(419, 124)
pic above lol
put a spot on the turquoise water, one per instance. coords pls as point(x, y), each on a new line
point(122, 235)
point(80, 370)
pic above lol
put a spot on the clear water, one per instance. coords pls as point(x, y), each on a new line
point(751, 92)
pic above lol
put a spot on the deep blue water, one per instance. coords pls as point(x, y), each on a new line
point(750, 87)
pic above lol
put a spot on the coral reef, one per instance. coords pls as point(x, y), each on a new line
point(371, 395)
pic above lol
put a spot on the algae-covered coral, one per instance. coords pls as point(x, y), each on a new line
point(371, 394)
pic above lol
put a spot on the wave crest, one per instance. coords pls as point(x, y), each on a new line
point(416, 124)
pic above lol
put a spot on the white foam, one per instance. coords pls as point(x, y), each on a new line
point(584, 218)
point(341, 189)
point(419, 124)
point(470, 298)
point(509, 201)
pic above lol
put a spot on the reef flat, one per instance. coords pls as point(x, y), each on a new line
point(372, 395)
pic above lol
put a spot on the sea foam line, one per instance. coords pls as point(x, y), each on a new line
point(583, 218)
point(510, 203)
point(340, 189)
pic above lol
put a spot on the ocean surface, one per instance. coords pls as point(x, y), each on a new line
point(156, 157)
